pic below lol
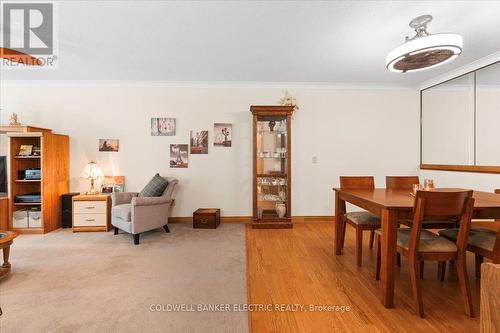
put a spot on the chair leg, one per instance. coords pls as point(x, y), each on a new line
point(359, 245)
point(166, 228)
point(344, 226)
point(478, 261)
point(414, 266)
point(372, 237)
point(441, 270)
point(116, 231)
point(136, 239)
point(463, 281)
point(421, 270)
point(377, 257)
point(398, 259)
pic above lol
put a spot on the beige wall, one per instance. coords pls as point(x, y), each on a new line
point(350, 131)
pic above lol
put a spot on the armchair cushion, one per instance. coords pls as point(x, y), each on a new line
point(123, 212)
point(155, 187)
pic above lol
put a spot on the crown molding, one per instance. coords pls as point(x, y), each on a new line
point(169, 84)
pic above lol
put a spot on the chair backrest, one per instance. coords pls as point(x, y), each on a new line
point(169, 191)
point(442, 204)
point(401, 182)
point(357, 182)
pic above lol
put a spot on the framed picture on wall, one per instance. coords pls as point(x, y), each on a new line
point(162, 126)
point(198, 141)
point(178, 155)
point(108, 145)
point(223, 133)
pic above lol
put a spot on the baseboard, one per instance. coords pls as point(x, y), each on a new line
point(313, 219)
point(178, 219)
point(248, 219)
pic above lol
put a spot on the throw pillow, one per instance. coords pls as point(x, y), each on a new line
point(155, 187)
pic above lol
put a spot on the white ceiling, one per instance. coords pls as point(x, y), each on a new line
point(317, 42)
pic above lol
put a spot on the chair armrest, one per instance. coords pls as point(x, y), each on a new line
point(149, 201)
point(119, 198)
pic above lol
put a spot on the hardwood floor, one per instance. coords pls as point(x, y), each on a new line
point(298, 266)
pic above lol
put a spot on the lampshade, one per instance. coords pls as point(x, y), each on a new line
point(92, 171)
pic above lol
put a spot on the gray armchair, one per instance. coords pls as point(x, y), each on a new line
point(135, 214)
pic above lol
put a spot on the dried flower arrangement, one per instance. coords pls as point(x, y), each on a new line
point(288, 100)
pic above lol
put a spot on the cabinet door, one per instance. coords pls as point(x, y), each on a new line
point(272, 166)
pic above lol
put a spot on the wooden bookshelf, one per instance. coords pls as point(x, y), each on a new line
point(54, 165)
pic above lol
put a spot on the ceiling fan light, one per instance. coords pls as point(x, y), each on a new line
point(456, 50)
point(424, 51)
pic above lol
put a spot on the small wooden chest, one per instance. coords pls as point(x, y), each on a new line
point(206, 218)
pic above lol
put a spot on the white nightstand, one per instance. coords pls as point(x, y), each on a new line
point(91, 212)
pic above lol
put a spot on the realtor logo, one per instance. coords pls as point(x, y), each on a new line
point(29, 27)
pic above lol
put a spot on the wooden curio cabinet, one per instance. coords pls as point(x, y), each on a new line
point(272, 193)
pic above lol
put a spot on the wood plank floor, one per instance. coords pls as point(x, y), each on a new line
point(298, 266)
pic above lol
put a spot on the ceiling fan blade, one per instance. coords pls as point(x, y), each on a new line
point(19, 57)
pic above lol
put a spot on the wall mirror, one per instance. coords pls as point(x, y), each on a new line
point(459, 123)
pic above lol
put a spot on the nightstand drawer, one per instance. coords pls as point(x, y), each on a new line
point(89, 207)
point(89, 220)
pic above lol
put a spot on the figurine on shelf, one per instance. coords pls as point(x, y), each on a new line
point(13, 120)
point(288, 100)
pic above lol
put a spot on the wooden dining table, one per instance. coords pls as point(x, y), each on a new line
point(391, 206)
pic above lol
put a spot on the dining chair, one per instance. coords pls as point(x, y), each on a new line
point(360, 220)
point(482, 242)
point(418, 244)
point(406, 183)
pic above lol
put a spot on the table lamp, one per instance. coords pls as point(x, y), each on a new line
point(92, 172)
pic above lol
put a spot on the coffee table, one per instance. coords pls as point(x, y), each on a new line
point(6, 240)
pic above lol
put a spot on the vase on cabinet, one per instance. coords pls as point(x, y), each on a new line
point(281, 210)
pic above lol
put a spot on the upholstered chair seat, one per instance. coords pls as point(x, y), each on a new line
point(123, 212)
point(481, 238)
point(429, 241)
point(363, 218)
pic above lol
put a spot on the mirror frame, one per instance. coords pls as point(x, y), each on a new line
point(453, 167)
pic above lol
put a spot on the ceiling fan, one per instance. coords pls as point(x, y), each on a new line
point(424, 50)
point(19, 57)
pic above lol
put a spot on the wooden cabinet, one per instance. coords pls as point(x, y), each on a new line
point(272, 195)
point(91, 212)
point(4, 213)
point(52, 159)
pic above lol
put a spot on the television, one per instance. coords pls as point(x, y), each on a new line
point(3, 175)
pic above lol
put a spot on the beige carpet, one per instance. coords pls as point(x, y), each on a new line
point(98, 282)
